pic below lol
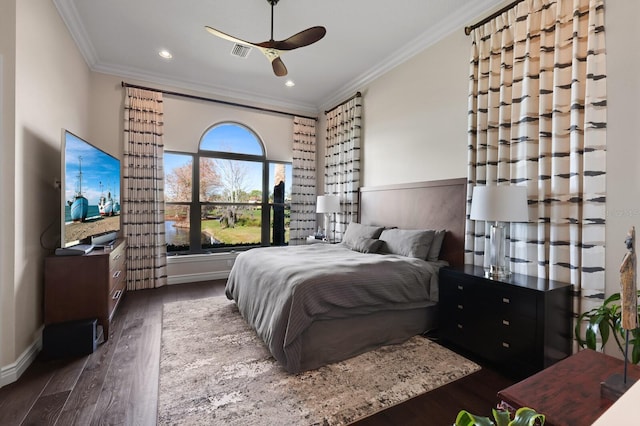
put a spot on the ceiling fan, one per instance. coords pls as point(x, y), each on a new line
point(272, 49)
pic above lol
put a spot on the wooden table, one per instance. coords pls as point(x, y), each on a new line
point(568, 392)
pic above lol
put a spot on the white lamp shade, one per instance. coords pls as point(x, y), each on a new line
point(505, 203)
point(328, 204)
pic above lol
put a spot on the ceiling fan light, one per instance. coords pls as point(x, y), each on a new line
point(289, 83)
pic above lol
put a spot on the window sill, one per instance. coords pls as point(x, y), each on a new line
point(201, 257)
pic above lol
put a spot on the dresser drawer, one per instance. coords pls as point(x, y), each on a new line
point(511, 302)
point(118, 287)
point(461, 331)
point(117, 258)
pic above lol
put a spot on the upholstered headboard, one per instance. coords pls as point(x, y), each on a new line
point(436, 204)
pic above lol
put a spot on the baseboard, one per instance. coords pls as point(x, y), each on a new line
point(203, 276)
point(12, 372)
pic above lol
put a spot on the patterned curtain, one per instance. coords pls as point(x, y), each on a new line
point(303, 192)
point(537, 118)
point(342, 161)
point(143, 194)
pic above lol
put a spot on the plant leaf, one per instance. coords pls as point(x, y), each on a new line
point(465, 418)
point(613, 298)
point(604, 330)
point(635, 353)
point(605, 321)
point(590, 336)
point(502, 417)
point(526, 416)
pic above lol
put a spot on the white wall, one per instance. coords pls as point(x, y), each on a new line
point(186, 121)
point(7, 126)
point(51, 84)
point(623, 139)
point(415, 117)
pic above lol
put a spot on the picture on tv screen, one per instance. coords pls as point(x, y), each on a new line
point(91, 191)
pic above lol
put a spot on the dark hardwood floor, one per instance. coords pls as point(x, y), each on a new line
point(118, 383)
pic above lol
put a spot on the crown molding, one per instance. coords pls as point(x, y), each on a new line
point(444, 28)
point(71, 18)
point(222, 92)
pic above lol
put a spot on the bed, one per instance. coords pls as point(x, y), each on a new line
point(321, 303)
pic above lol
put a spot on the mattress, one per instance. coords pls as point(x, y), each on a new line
point(285, 293)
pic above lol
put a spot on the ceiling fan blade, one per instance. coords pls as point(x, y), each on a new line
point(272, 48)
point(273, 55)
point(228, 37)
point(278, 67)
point(301, 39)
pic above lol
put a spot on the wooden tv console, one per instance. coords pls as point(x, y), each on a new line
point(85, 287)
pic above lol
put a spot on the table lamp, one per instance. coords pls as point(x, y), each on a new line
point(328, 204)
point(499, 204)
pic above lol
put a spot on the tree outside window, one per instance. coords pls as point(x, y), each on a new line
point(227, 195)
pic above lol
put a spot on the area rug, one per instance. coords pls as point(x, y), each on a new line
point(214, 370)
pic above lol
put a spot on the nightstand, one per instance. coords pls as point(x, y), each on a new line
point(520, 324)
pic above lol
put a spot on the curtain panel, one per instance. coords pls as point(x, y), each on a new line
point(537, 118)
point(303, 191)
point(342, 161)
point(143, 194)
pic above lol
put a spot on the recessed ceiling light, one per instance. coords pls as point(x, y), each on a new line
point(165, 54)
point(289, 83)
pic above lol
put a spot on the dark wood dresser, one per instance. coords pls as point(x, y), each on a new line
point(85, 287)
point(520, 324)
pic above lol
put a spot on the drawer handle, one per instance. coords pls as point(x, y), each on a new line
point(117, 256)
point(460, 307)
point(460, 326)
point(117, 294)
point(506, 300)
point(505, 322)
point(505, 345)
point(460, 287)
point(116, 274)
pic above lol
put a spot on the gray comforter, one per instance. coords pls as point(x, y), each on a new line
point(280, 291)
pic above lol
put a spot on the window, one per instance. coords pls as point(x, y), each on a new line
point(227, 195)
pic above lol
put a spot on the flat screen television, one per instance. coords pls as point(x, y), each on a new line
point(90, 193)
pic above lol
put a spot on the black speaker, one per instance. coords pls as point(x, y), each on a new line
point(70, 339)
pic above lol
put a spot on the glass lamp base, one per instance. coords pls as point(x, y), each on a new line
point(497, 272)
point(498, 263)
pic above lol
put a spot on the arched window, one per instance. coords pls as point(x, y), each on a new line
point(228, 195)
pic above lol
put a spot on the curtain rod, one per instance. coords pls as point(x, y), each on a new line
point(202, 98)
point(467, 30)
point(344, 102)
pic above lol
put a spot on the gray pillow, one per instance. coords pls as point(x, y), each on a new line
point(407, 242)
point(356, 231)
point(367, 245)
point(436, 245)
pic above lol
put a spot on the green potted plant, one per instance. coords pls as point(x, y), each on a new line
point(606, 321)
point(523, 416)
